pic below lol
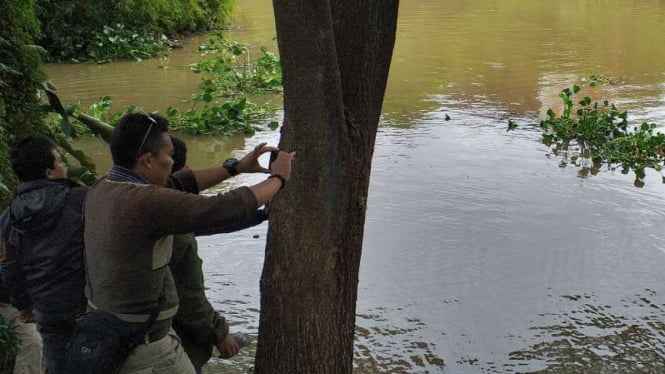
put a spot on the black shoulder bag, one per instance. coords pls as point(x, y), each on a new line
point(101, 341)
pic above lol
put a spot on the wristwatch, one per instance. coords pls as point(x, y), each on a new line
point(280, 177)
point(231, 165)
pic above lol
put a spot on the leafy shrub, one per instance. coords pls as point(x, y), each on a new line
point(69, 24)
point(21, 111)
point(8, 346)
point(5, 192)
point(171, 16)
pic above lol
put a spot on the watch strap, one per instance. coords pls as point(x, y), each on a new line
point(280, 177)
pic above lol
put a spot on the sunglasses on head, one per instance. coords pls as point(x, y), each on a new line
point(152, 123)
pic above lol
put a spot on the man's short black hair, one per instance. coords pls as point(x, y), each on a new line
point(136, 134)
point(179, 154)
point(31, 157)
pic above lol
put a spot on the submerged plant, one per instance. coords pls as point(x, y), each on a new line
point(598, 79)
point(591, 135)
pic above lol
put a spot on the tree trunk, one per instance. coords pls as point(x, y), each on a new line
point(335, 60)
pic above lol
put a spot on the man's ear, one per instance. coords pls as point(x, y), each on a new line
point(145, 160)
point(49, 174)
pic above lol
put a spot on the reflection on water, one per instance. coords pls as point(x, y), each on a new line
point(480, 235)
point(481, 255)
point(377, 342)
point(599, 338)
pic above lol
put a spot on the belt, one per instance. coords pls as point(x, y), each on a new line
point(154, 336)
point(139, 318)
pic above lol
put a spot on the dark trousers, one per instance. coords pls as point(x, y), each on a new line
point(56, 330)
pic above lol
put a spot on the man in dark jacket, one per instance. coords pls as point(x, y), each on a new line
point(43, 240)
point(197, 324)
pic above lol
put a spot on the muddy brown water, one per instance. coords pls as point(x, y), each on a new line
point(481, 254)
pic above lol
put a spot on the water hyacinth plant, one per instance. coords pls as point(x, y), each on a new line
point(228, 69)
point(228, 77)
point(591, 135)
point(120, 43)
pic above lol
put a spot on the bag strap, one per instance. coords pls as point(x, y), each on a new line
point(139, 337)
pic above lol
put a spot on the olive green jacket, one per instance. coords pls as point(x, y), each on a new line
point(197, 324)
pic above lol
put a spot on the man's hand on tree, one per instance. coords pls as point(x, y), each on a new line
point(282, 164)
point(250, 163)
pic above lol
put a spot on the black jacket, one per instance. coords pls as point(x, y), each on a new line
point(43, 233)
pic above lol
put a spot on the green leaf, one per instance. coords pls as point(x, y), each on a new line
point(639, 173)
point(56, 106)
point(511, 125)
point(81, 174)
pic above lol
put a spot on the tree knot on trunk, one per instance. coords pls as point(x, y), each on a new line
point(351, 122)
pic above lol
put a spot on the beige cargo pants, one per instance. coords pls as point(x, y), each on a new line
point(29, 358)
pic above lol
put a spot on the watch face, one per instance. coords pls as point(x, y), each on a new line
point(230, 165)
point(231, 162)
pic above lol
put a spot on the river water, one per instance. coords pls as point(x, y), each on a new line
point(482, 254)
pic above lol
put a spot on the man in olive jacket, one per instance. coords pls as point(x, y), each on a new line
point(199, 326)
point(130, 218)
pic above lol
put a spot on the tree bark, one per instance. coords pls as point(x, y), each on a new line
point(335, 60)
